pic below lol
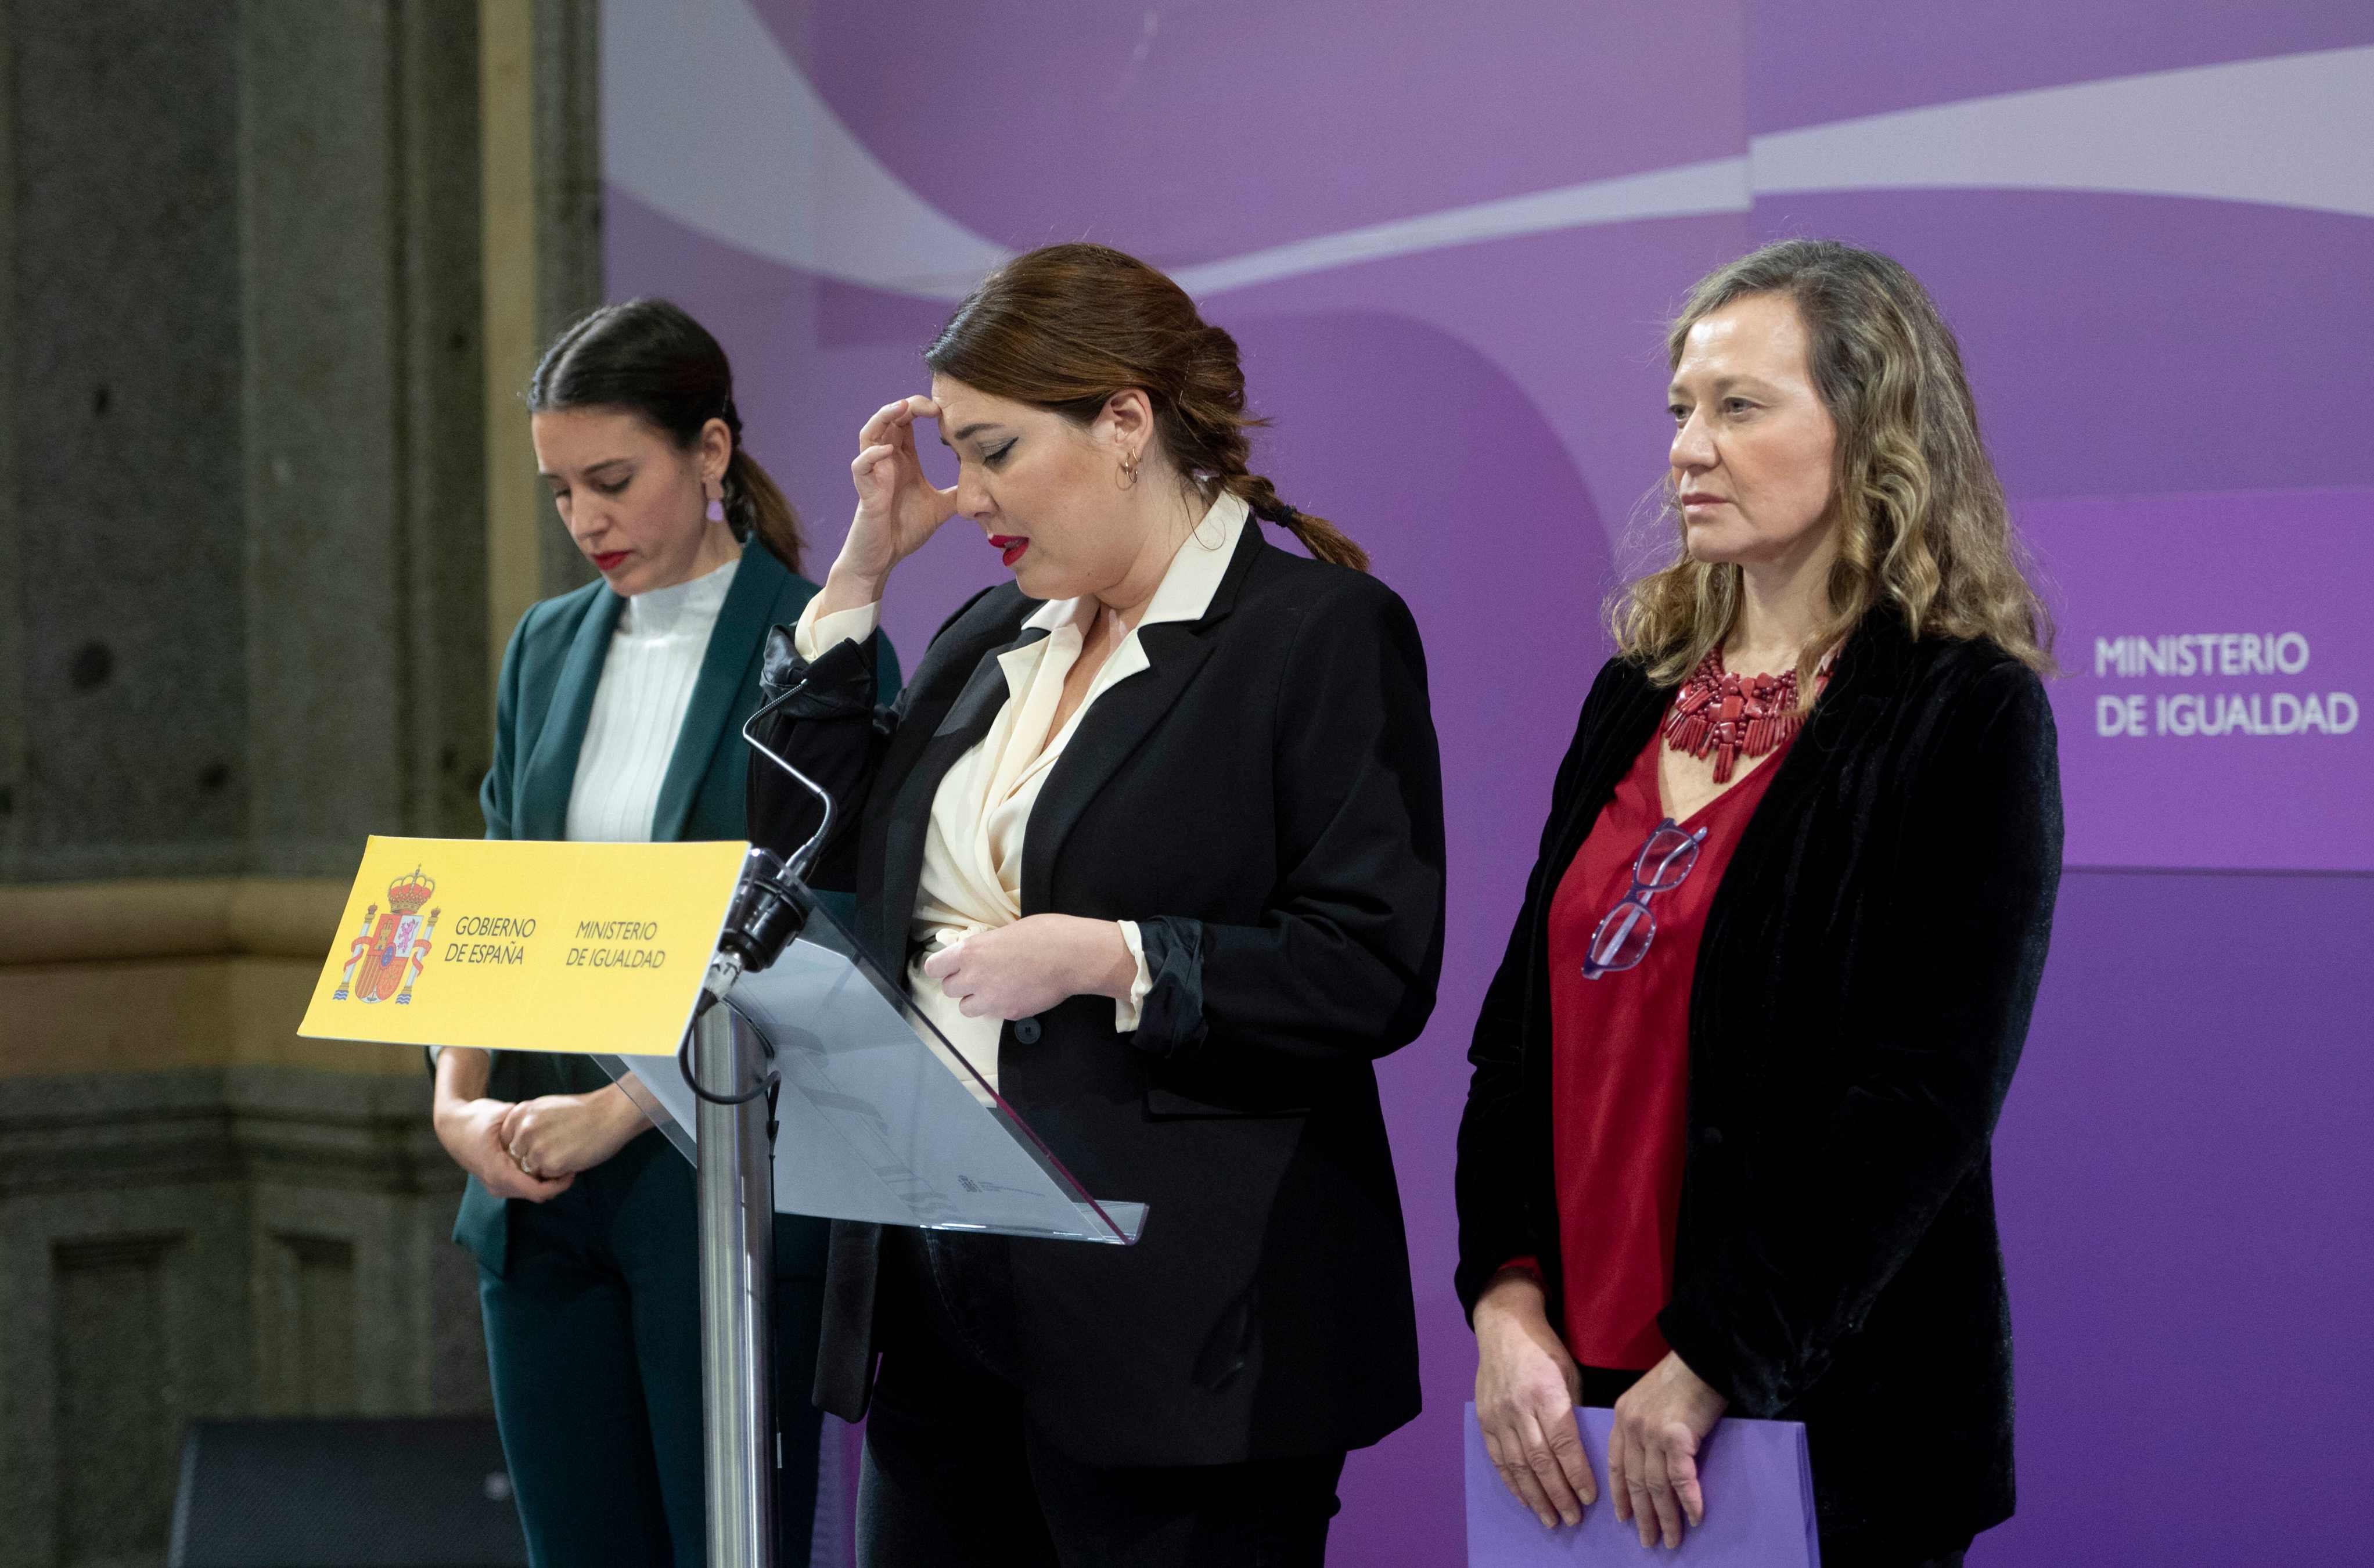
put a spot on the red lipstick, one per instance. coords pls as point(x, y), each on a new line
point(1011, 546)
point(608, 559)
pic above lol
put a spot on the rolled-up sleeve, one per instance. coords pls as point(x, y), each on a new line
point(1128, 1010)
point(1343, 962)
point(816, 632)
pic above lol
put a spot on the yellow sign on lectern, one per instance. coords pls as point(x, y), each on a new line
point(524, 945)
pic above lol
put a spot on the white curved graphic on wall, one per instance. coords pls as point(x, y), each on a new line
point(2294, 131)
point(708, 120)
point(2288, 132)
point(1717, 185)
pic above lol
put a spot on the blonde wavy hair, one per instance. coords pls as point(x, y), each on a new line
point(1919, 513)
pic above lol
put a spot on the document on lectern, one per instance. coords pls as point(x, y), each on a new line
point(880, 1118)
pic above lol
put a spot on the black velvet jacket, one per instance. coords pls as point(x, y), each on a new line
point(1265, 801)
point(1862, 990)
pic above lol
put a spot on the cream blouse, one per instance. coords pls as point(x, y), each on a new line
point(972, 855)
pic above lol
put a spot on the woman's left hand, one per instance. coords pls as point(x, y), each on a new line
point(559, 1135)
point(1661, 1422)
point(1028, 967)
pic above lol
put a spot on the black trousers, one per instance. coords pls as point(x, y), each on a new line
point(593, 1344)
point(1601, 1388)
point(954, 1475)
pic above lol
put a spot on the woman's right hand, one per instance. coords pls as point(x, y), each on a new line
point(899, 508)
point(1526, 1389)
point(472, 1132)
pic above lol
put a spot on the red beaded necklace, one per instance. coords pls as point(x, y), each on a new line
point(1729, 716)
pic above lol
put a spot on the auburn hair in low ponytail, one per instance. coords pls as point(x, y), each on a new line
point(648, 358)
point(1067, 326)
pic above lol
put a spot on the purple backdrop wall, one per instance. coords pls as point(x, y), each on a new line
point(1446, 251)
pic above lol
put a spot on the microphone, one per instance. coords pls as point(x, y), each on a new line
point(771, 902)
point(803, 857)
point(770, 907)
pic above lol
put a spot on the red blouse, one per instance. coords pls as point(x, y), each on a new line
point(1619, 1067)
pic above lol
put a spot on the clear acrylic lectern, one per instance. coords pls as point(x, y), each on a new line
point(872, 1117)
point(880, 1118)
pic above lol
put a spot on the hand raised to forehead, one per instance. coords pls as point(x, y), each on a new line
point(899, 508)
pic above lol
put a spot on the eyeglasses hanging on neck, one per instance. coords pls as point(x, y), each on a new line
point(1622, 936)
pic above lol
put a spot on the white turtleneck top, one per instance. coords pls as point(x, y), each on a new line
point(639, 707)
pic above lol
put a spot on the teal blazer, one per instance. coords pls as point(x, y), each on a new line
point(550, 671)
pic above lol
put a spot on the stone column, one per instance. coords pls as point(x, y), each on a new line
point(367, 697)
point(127, 708)
point(244, 622)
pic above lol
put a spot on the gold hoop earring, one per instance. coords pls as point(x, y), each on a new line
point(1129, 474)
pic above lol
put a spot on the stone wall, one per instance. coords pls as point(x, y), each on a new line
point(210, 1241)
point(244, 604)
point(125, 517)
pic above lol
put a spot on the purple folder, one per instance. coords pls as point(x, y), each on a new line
point(1759, 1506)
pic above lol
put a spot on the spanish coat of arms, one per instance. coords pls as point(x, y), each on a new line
point(388, 957)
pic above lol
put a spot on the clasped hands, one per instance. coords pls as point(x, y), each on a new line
point(1526, 1389)
point(534, 1148)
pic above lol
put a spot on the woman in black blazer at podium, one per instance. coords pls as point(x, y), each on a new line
point(618, 717)
point(1155, 837)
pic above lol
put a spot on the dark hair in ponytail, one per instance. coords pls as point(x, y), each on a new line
point(1067, 326)
point(648, 358)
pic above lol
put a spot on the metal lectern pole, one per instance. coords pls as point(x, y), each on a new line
point(737, 1243)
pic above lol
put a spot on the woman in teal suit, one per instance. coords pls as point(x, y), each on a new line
point(620, 717)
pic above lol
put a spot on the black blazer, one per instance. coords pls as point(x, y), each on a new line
point(1266, 802)
point(1862, 990)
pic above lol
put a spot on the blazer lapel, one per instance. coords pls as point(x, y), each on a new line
point(1114, 725)
point(728, 667)
point(551, 770)
point(1871, 663)
point(1631, 719)
point(908, 819)
point(1119, 719)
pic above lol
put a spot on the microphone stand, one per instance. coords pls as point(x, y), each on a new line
point(735, 1130)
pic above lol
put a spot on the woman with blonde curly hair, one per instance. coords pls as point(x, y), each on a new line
point(1725, 1148)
